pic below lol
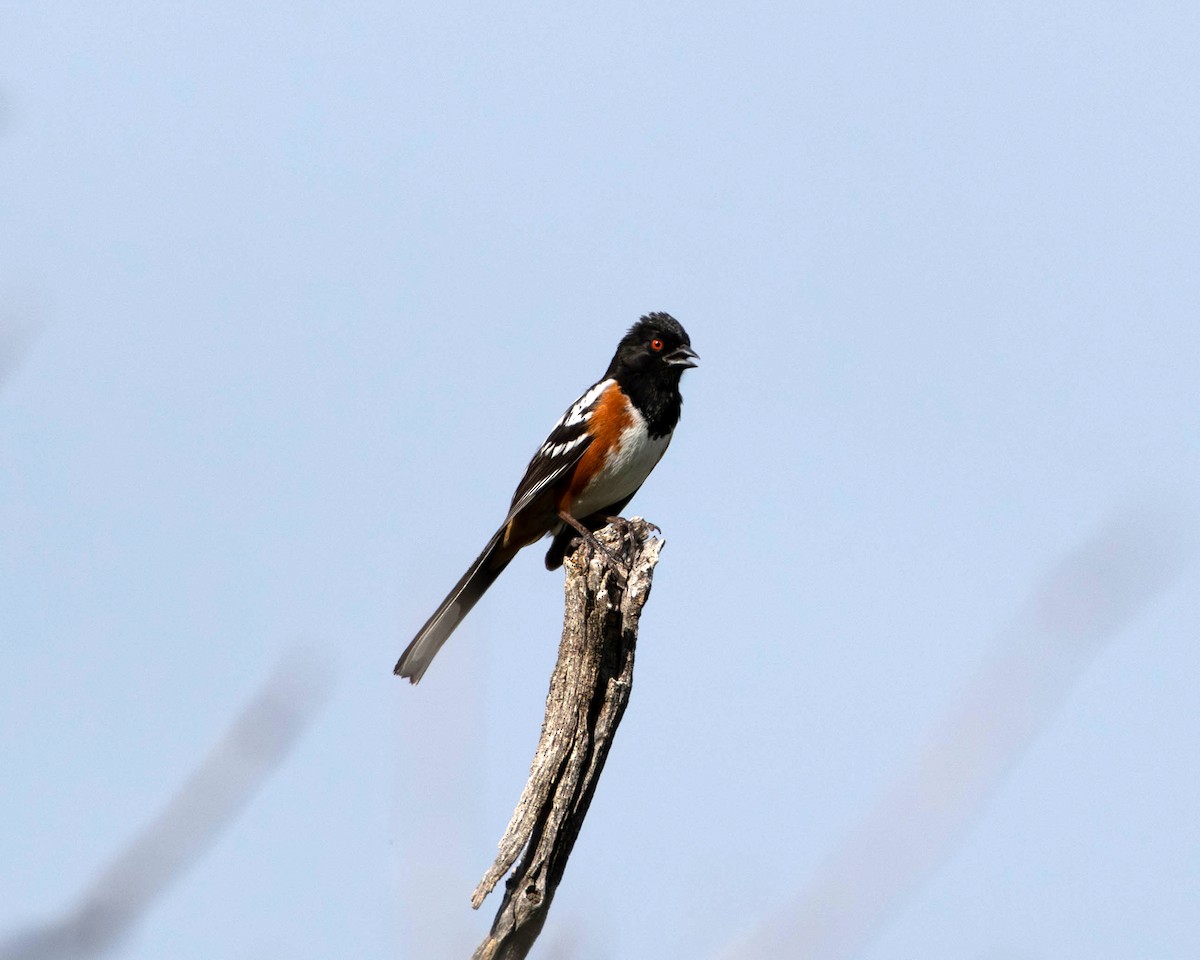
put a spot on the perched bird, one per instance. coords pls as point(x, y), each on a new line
point(598, 454)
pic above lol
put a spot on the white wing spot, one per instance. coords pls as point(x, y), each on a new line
point(552, 450)
point(577, 412)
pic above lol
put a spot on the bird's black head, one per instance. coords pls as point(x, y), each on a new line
point(656, 346)
point(648, 363)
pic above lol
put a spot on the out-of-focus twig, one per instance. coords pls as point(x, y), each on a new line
point(1079, 606)
point(236, 768)
point(14, 341)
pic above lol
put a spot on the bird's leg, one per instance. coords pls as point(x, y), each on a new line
point(587, 535)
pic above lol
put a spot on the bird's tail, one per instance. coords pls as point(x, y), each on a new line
point(458, 603)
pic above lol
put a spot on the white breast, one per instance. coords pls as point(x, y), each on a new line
point(627, 468)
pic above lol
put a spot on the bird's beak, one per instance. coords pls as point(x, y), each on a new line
point(683, 357)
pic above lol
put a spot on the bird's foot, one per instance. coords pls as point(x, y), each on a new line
point(586, 536)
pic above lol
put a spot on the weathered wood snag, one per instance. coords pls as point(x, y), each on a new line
point(588, 693)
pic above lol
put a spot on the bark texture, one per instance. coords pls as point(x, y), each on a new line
point(588, 693)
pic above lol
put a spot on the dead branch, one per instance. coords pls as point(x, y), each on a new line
point(589, 690)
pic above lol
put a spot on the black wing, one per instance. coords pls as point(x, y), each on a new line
point(560, 451)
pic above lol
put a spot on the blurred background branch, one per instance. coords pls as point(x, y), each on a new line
point(240, 763)
point(16, 333)
point(1093, 593)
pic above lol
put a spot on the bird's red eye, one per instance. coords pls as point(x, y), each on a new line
point(656, 345)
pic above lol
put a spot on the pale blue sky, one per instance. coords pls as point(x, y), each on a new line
point(311, 282)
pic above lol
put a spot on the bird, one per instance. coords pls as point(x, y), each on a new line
point(595, 459)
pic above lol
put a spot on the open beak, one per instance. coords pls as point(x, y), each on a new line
point(683, 357)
